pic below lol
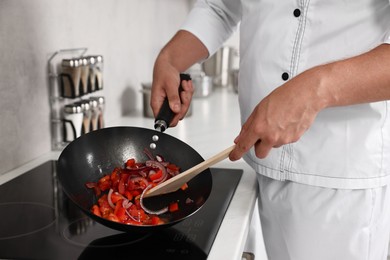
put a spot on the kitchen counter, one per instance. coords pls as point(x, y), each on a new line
point(211, 128)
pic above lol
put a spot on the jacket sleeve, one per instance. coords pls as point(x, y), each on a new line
point(213, 21)
point(387, 35)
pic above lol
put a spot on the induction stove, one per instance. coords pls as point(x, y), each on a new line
point(38, 221)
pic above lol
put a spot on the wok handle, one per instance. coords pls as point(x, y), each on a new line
point(166, 114)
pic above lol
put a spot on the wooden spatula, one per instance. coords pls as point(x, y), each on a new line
point(175, 183)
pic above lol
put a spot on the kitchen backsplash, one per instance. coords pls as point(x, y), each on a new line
point(127, 33)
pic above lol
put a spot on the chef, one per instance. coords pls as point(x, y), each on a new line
point(314, 91)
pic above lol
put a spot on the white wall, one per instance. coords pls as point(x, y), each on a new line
point(128, 33)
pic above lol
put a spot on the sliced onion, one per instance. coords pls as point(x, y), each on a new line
point(159, 158)
point(91, 185)
point(163, 177)
point(132, 217)
point(188, 201)
point(165, 164)
point(126, 203)
point(109, 198)
point(149, 154)
point(155, 164)
point(157, 212)
point(140, 179)
point(143, 173)
point(172, 172)
point(159, 166)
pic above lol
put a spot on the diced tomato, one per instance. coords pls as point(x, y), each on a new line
point(115, 197)
point(124, 177)
point(95, 210)
point(128, 195)
point(114, 179)
point(129, 221)
point(136, 201)
point(121, 187)
point(131, 185)
point(142, 215)
point(133, 207)
point(97, 191)
point(103, 205)
point(154, 220)
point(130, 163)
point(113, 217)
point(104, 178)
point(138, 214)
point(104, 183)
point(135, 193)
point(156, 175)
point(104, 210)
point(103, 200)
point(120, 212)
point(173, 167)
point(118, 206)
point(174, 206)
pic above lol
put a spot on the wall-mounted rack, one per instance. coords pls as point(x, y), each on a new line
point(72, 76)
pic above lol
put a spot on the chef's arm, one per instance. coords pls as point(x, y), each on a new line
point(361, 79)
point(286, 113)
point(183, 50)
point(180, 53)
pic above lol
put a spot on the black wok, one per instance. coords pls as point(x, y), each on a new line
point(97, 153)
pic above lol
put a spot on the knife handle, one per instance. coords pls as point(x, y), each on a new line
point(165, 115)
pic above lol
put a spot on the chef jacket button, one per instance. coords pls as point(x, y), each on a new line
point(285, 76)
point(297, 12)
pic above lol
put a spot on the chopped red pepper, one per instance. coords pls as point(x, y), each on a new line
point(156, 176)
point(184, 187)
point(174, 206)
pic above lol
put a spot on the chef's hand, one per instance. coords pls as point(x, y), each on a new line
point(166, 82)
point(280, 118)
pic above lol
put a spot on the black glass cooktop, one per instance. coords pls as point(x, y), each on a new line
point(38, 221)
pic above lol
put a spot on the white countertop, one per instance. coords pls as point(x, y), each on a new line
point(211, 128)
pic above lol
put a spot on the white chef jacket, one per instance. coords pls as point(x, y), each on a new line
point(346, 147)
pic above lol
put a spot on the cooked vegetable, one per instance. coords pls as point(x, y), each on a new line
point(120, 193)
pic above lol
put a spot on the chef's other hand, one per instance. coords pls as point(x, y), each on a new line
point(280, 118)
point(166, 82)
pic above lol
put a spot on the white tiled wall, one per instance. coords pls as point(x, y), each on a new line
point(128, 33)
